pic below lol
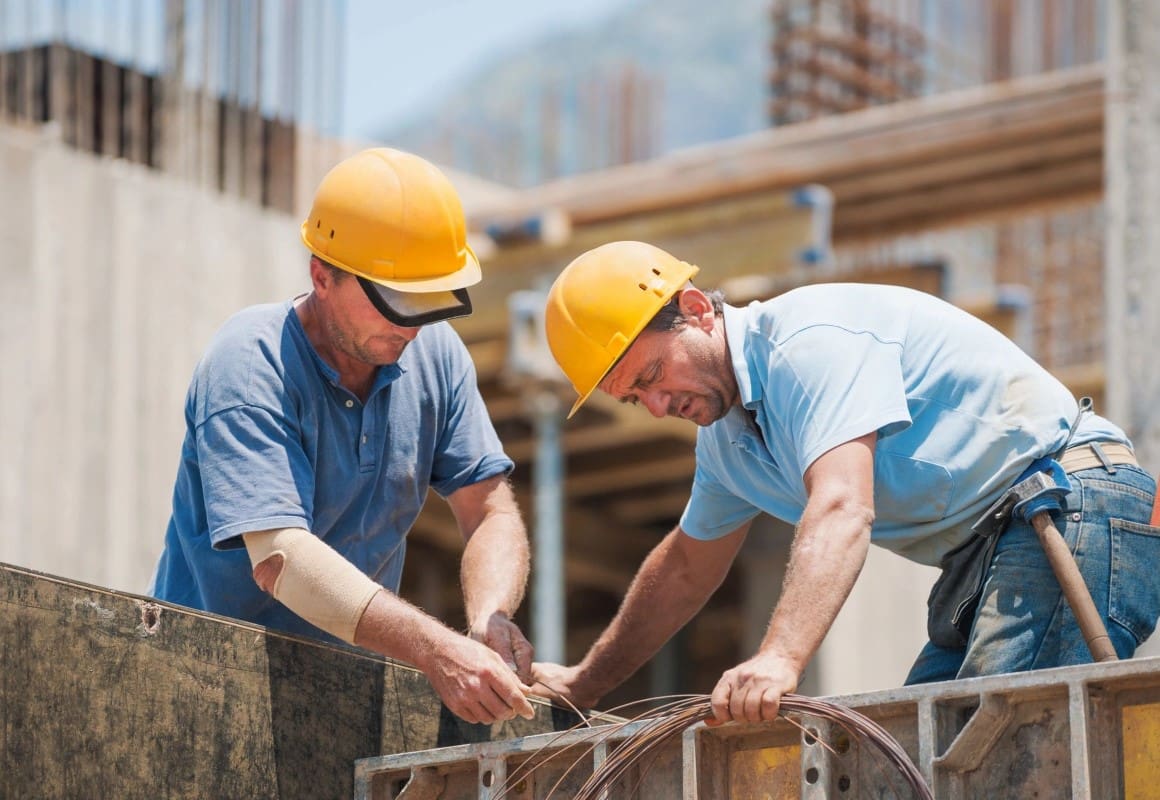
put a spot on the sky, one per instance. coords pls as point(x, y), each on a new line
point(402, 54)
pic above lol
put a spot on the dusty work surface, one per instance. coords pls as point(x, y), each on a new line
point(107, 694)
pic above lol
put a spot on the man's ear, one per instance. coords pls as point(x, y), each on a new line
point(320, 277)
point(697, 308)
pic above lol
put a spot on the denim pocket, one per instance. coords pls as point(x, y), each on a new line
point(1134, 587)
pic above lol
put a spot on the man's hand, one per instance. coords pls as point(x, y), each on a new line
point(554, 681)
point(475, 683)
point(752, 691)
point(504, 637)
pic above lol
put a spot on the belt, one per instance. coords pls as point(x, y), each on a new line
point(1097, 454)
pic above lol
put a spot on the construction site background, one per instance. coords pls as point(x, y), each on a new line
point(148, 197)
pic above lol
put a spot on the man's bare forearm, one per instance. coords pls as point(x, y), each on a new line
point(667, 591)
point(494, 568)
point(828, 553)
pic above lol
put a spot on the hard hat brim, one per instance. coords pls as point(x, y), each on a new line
point(412, 309)
point(580, 401)
point(467, 275)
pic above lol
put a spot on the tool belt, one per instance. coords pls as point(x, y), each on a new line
point(954, 598)
point(1108, 455)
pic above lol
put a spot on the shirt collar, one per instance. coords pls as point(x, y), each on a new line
point(737, 324)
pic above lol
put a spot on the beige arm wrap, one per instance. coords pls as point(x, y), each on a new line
point(315, 582)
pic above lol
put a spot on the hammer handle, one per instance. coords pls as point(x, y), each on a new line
point(1091, 624)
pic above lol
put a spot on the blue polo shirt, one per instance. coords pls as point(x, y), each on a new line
point(960, 411)
point(273, 441)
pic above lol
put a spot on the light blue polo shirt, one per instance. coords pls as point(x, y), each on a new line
point(959, 409)
point(273, 441)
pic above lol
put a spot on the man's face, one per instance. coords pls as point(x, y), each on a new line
point(357, 329)
point(682, 373)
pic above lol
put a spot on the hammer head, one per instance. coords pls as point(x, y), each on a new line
point(1041, 491)
point(1041, 487)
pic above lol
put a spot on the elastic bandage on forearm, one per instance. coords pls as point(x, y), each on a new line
point(316, 583)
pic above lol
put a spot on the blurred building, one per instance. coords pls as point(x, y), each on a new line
point(236, 97)
point(834, 56)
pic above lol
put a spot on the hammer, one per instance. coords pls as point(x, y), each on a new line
point(1036, 496)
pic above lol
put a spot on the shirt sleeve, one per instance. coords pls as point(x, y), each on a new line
point(468, 450)
point(830, 385)
point(713, 511)
point(255, 475)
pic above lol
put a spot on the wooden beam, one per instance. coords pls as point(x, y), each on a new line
point(589, 563)
point(771, 233)
point(934, 128)
point(958, 202)
point(1085, 143)
point(577, 441)
point(648, 507)
point(644, 472)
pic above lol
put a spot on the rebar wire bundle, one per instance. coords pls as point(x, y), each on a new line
point(663, 723)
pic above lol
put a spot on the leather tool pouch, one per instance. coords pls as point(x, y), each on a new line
point(954, 598)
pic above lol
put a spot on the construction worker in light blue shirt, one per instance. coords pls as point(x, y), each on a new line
point(314, 429)
point(860, 414)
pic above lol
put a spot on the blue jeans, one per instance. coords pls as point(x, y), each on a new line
point(1023, 621)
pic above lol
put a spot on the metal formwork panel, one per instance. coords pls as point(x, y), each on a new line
point(1078, 732)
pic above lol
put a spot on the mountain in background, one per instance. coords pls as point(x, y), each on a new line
point(658, 76)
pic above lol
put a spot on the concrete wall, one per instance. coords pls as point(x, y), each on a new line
point(113, 278)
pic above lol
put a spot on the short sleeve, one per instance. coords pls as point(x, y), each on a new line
point(713, 511)
point(254, 473)
point(831, 385)
point(468, 449)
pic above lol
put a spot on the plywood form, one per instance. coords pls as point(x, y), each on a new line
point(106, 694)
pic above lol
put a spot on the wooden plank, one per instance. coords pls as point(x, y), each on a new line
point(1059, 152)
point(985, 199)
point(932, 128)
point(771, 233)
point(608, 565)
point(105, 694)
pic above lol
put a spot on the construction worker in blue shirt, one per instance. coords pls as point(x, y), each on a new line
point(859, 414)
point(315, 427)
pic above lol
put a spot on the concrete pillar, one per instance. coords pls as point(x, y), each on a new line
point(1132, 192)
point(1132, 200)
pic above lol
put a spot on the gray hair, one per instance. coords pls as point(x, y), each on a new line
point(670, 317)
point(335, 272)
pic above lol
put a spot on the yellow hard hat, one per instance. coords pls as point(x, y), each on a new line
point(394, 220)
point(602, 301)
